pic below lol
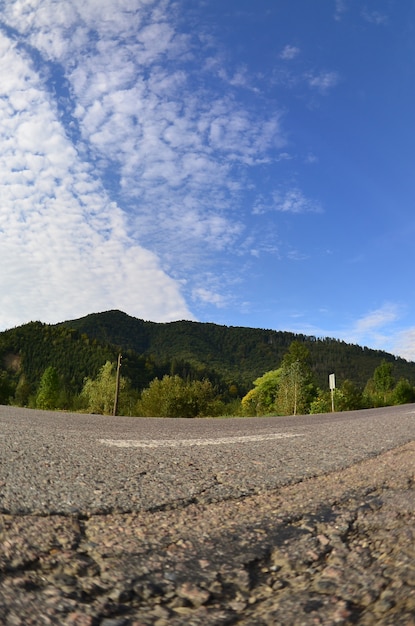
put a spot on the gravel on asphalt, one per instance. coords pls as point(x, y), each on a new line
point(333, 549)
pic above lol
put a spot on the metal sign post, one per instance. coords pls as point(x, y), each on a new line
point(332, 385)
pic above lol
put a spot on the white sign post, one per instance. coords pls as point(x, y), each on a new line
point(332, 385)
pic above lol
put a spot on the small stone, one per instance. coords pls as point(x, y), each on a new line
point(193, 594)
point(279, 584)
point(146, 590)
point(323, 540)
point(161, 612)
point(341, 614)
point(323, 585)
point(385, 602)
point(120, 595)
point(183, 610)
point(237, 605)
point(332, 573)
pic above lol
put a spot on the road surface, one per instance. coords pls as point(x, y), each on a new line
point(65, 463)
point(237, 522)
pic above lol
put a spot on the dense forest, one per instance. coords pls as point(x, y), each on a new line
point(236, 354)
point(230, 358)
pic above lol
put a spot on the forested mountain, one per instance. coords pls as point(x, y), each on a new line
point(26, 352)
point(230, 357)
point(236, 354)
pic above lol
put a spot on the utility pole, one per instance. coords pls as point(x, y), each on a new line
point(117, 385)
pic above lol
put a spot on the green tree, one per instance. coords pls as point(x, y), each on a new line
point(322, 401)
point(261, 399)
point(174, 397)
point(378, 390)
point(297, 352)
point(292, 392)
point(296, 390)
point(350, 397)
point(346, 398)
point(7, 387)
point(383, 378)
point(98, 394)
point(47, 397)
point(23, 392)
point(404, 392)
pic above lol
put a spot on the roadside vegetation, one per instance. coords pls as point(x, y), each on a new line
point(61, 367)
point(288, 390)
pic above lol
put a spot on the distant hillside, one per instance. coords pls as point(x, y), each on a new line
point(26, 351)
point(230, 357)
point(236, 354)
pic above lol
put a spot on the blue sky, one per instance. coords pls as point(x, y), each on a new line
point(244, 162)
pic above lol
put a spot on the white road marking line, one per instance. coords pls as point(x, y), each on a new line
point(176, 443)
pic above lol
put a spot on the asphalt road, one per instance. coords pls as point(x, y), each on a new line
point(60, 463)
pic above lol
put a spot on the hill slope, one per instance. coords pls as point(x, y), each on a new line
point(26, 351)
point(231, 357)
point(237, 354)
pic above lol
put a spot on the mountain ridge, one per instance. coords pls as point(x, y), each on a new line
point(231, 357)
point(239, 351)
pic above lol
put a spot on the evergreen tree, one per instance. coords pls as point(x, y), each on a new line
point(7, 387)
point(49, 389)
point(349, 398)
point(383, 379)
point(23, 392)
point(378, 390)
point(404, 392)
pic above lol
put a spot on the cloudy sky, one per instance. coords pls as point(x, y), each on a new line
point(247, 162)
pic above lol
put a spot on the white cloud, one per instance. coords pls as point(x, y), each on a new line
point(376, 319)
point(133, 168)
point(289, 52)
point(375, 17)
point(294, 201)
point(291, 200)
point(210, 297)
point(296, 255)
point(382, 329)
point(404, 344)
point(323, 81)
point(65, 249)
point(311, 158)
point(340, 9)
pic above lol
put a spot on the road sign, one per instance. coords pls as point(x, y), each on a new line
point(332, 384)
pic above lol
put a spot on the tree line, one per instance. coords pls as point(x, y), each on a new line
point(190, 368)
point(288, 390)
point(236, 355)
